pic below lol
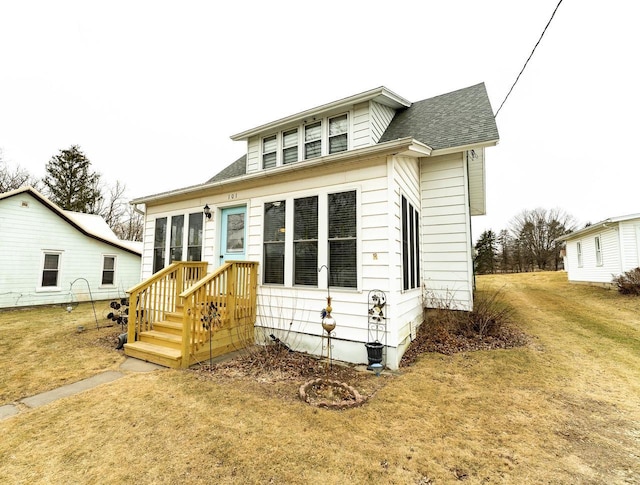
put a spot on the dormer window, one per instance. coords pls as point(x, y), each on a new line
point(269, 151)
point(313, 140)
point(290, 146)
point(338, 128)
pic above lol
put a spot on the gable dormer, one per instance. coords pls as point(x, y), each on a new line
point(347, 124)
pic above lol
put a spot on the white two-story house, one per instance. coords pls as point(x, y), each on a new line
point(363, 198)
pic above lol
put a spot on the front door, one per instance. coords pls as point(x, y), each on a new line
point(233, 234)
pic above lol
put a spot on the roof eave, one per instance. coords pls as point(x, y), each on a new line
point(381, 94)
point(463, 148)
point(402, 146)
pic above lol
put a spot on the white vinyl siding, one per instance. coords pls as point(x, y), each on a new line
point(35, 229)
point(477, 191)
point(381, 116)
point(447, 269)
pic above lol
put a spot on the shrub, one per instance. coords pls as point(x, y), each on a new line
point(489, 315)
point(628, 283)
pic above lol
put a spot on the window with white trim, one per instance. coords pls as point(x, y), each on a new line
point(175, 244)
point(598, 251)
point(108, 270)
point(159, 242)
point(305, 241)
point(290, 146)
point(269, 151)
point(313, 140)
point(295, 260)
point(274, 234)
point(194, 237)
point(410, 245)
point(579, 253)
point(51, 270)
point(338, 138)
point(342, 240)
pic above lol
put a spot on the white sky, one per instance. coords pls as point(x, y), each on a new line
point(152, 90)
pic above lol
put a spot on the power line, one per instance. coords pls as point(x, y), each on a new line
point(528, 59)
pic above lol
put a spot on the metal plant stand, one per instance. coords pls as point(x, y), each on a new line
point(377, 326)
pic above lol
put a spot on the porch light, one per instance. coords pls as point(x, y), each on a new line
point(207, 211)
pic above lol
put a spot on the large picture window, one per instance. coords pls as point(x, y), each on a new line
point(305, 241)
point(274, 234)
point(342, 240)
point(410, 246)
point(295, 260)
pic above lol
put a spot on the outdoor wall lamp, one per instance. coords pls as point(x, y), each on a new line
point(207, 211)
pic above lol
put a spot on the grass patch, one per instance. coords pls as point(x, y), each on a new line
point(42, 349)
point(563, 409)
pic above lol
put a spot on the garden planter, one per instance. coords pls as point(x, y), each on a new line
point(374, 353)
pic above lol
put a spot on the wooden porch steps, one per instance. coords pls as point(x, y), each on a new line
point(158, 354)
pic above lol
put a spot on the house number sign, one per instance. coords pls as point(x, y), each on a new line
point(232, 196)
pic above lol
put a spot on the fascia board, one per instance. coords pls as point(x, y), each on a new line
point(381, 94)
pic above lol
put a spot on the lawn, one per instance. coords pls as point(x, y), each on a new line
point(563, 409)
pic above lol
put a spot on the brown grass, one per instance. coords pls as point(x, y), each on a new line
point(42, 348)
point(564, 409)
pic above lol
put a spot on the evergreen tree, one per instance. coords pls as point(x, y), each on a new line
point(486, 253)
point(71, 184)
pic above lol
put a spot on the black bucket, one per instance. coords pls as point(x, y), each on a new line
point(374, 353)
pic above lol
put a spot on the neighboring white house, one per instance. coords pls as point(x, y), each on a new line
point(52, 256)
point(376, 188)
point(598, 252)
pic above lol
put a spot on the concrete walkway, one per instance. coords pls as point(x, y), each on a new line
point(129, 365)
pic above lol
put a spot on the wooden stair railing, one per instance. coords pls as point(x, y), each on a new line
point(231, 290)
point(165, 312)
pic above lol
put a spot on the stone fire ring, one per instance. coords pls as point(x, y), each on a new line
point(357, 401)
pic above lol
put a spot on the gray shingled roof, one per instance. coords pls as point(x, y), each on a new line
point(455, 119)
point(237, 168)
point(462, 117)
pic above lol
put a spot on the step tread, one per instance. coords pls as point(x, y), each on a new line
point(155, 349)
point(162, 335)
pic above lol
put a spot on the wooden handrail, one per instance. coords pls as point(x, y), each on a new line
point(231, 289)
point(152, 299)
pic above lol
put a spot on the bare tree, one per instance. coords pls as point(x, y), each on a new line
point(131, 226)
point(537, 232)
point(12, 178)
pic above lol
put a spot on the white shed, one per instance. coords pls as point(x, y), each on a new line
point(52, 256)
point(598, 252)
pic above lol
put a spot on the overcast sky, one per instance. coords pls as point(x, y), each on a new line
point(152, 90)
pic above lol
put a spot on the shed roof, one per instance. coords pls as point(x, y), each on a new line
point(91, 225)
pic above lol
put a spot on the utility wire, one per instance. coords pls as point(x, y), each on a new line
point(528, 59)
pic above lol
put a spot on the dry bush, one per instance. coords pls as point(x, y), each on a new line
point(628, 283)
